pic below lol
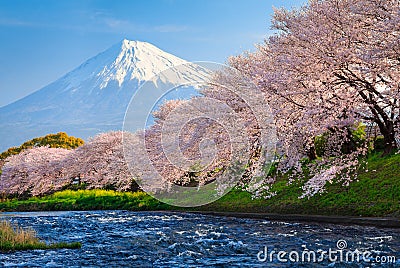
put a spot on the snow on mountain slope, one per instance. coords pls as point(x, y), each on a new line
point(93, 97)
point(125, 61)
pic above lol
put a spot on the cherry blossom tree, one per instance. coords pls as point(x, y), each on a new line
point(34, 171)
point(331, 64)
point(100, 163)
point(42, 170)
point(336, 61)
point(196, 139)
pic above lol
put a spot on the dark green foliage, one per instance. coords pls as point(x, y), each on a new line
point(379, 144)
point(356, 138)
point(40, 245)
point(59, 140)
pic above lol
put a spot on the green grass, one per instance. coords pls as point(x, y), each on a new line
point(13, 237)
point(85, 200)
point(376, 193)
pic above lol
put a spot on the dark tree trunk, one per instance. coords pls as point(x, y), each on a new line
point(390, 145)
point(349, 144)
point(311, 152)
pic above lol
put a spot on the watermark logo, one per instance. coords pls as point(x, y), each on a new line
point(341, 244)
point(339, 254)
point(192, 151)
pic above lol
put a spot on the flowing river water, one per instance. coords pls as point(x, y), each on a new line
point(164, 239)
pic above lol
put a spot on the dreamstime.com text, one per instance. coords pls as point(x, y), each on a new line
point(339, 254)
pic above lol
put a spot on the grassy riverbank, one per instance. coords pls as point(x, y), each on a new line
point(13, 237)
point(85, 200)
point(375, 194)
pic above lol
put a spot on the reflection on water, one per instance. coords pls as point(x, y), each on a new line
point(162, 239)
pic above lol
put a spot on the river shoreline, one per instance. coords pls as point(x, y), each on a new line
point(381, 222)
point(237, 204)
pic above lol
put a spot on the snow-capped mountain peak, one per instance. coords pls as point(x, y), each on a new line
point(135, 60)
point(93, 97)
point(125, 61)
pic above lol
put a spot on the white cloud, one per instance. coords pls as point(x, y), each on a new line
point(16, 23)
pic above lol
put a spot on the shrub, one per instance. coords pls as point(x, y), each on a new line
point(59, 140)
point(13, 237)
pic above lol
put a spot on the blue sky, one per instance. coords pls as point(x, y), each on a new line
point(41, 40)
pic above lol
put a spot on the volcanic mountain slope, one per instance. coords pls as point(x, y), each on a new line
point(93, 97)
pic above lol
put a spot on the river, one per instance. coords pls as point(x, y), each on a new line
point(163, 239)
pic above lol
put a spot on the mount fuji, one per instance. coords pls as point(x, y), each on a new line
point(93, 97)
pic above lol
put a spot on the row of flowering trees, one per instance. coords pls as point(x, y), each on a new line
point(330, 65)
point(43, 170)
